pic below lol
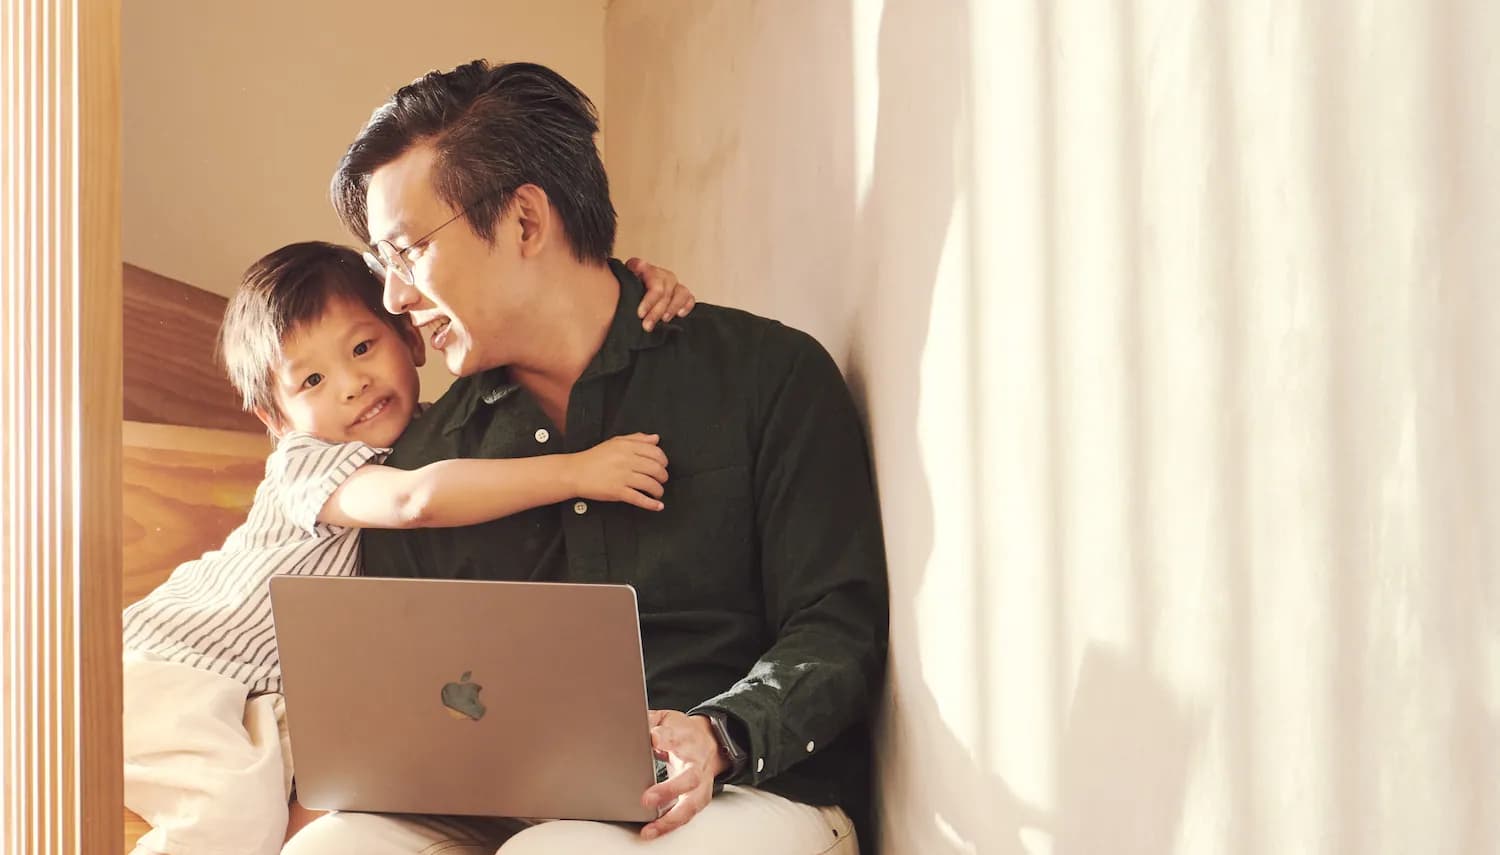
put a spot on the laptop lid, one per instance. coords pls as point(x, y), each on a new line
point(517, 699)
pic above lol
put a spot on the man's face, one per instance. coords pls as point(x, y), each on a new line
point(347, 376)
point(466, 289)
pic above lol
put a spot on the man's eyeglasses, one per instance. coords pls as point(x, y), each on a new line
point(388, 258)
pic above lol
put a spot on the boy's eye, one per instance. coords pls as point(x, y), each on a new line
point(363, 347)
point(312, 380)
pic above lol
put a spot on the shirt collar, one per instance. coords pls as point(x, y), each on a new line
point(625, 334)
point(487, 387)
point(624, 337)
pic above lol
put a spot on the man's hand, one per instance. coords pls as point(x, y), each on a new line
point(687, 744)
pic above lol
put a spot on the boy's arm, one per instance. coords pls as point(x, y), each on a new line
point(465, 492)
point(448, 493)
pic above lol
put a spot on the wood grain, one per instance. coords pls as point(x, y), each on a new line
point(185, 490)
point(97, 40)
point(135, 829)
point(171, 376)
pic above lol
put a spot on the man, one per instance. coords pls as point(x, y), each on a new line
point(761, 585)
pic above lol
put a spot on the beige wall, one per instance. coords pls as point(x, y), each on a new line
point(737, 166)
point(236, 113)
point(1176, 328)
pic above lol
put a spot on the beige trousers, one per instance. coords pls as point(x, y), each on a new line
point(739, 821)
point(210, 771)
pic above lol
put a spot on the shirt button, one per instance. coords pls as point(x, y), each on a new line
point(542, 435)
point(760, 764)
point(809, 747)
point(580, 508)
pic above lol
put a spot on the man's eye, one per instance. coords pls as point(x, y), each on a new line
point(312, 380)
point(363, 347)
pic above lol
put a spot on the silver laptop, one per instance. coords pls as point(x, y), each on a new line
point(514, 699)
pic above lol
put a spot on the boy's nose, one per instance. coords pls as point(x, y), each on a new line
point(356, 386)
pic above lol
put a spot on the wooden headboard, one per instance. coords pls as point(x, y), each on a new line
point(171, 376)
point(192, 457)
point(186, 488)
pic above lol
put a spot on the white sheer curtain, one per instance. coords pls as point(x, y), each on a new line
point(1238, 328)
point(1176, 326)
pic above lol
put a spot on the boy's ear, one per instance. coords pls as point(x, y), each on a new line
point(413, 338)
point(270, 420)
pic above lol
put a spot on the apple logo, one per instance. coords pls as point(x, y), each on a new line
point(462, 698)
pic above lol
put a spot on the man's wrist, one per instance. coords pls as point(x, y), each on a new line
point(732, 755)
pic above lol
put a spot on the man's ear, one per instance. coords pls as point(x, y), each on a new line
point(534, 214)
point(413, 339)
point(272, 421)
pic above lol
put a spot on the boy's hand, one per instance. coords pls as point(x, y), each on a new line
point(629, 468)
point(665, 296)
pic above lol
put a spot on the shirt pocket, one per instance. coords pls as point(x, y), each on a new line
point(700, 551)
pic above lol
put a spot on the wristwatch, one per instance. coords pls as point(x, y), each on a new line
point(733, 753)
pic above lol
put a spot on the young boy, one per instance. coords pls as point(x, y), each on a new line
point(334, 378)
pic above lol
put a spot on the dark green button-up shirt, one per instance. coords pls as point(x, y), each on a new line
point(761, 586)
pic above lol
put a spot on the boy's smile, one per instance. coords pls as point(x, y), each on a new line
point(348, 375)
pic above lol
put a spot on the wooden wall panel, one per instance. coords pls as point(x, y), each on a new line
point(171, 376)
point(185, 489)
point(60, 344)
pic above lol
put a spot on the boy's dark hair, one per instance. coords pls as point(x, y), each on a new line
point(494, 128)
point(283, 290)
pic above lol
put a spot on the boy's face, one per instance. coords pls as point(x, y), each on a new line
point(346, 376)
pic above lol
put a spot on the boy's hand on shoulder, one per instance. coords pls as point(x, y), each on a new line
point(665, 297)
point(629, 469)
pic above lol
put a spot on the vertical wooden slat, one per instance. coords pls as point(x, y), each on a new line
point(60, 580)
point(8, 698)
point(56, 708)
point(10, 703)
point(98, 681)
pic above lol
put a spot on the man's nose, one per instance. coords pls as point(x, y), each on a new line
point(398, 296)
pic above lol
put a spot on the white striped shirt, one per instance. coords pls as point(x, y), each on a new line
point(215, 612)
